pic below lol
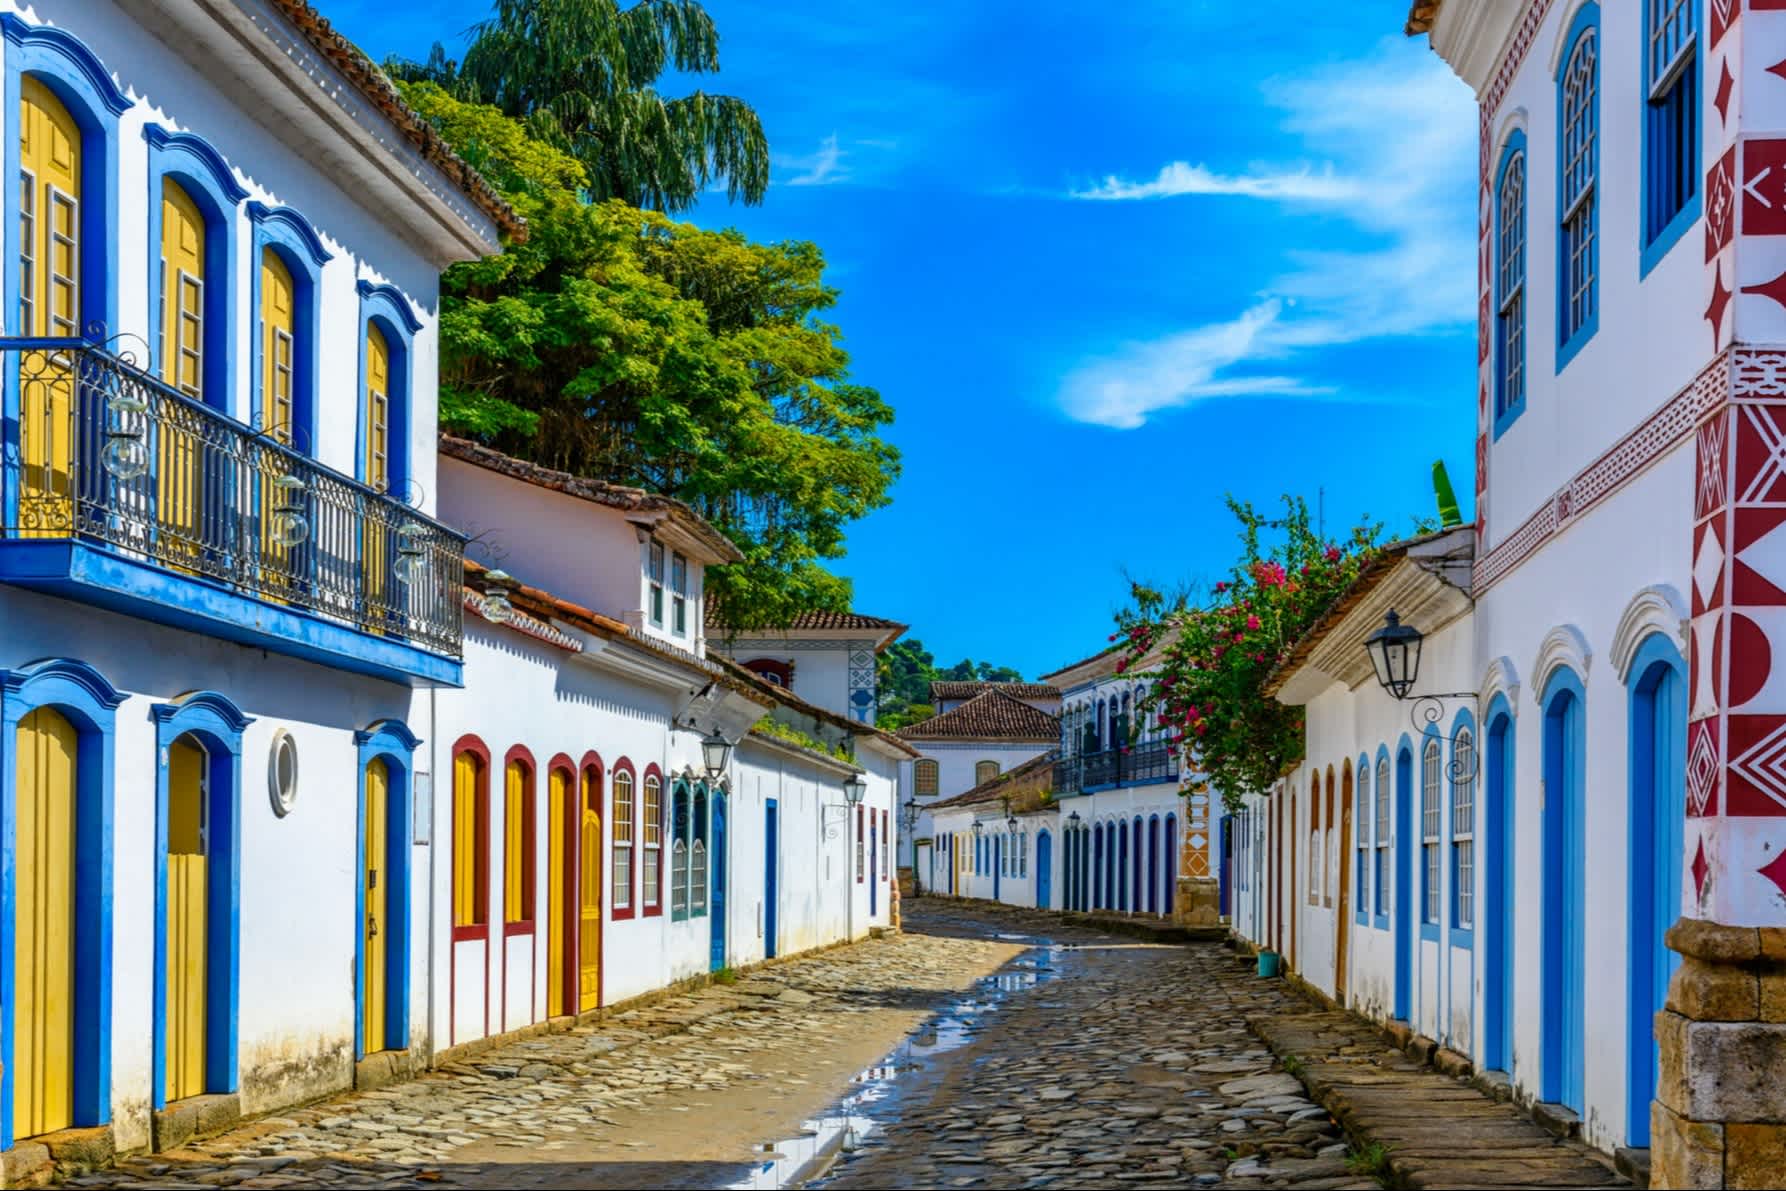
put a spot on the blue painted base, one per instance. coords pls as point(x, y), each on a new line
point(80, 571)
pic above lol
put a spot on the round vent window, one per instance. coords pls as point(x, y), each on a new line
point(282, 773)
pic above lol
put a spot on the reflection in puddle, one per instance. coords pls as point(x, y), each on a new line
point(863, 1115)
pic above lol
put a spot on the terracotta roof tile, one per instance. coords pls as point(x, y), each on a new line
point(820, 621)
point(1023, 785)
point(616, 496)
point(990, 715)
point(948, 689)
point(372, 82)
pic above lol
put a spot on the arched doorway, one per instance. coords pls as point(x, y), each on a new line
point(589, 885)
point(1044, 869)
point(1658, 812)
point(1561, 997)
point(1497, 887)
point(382, 953)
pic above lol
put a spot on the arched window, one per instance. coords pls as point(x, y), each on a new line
point(697, 856)
point(1463, 831)
point(1430, 823)
point(387, 327)
point(193, 282)
point(1330, 859)
point(290, 258)
point(517, 842)
point(679, 843)
point(1383, 835)
point(1314, 841)
point(1361, 831)
point(1510, 284)
point(651, 863)
point(985, 771)
point(1671, 165)
point(623, 813)
point(924, 778)
point(471, 849)
point(1579, 84)
point(775, 673)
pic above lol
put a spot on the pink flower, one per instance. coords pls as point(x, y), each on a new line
point(1252, 622)
point(1193, 711)
point(1112, 636)
point(1333, 554)
point(1122, 664)
point(1221, 587)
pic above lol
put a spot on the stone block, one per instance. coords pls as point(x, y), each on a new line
point(1558, 1120)
point(1422, 1049)
point(1451, 1063)
point(198, 1116)
point(382, 1069)
point(1683, 1153)
point(1773, 944)
point(26, 1164)
point(1715, 942)
point(77, 1151)
point(1398, 1033)
point(1714, 991)
point(1722, 1071)
point(1773, 994)
point(1634, 1164)
point(1754, 1155)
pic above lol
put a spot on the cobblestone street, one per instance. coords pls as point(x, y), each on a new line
point(983, 1047)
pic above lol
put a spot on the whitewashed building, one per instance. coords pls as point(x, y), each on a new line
point(966, 746)
point(220, 584)
point(827, 658)
point(1000, 837)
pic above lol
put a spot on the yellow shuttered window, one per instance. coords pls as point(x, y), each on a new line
point(517, 871)
point(378, 409)
point(470, 866)
point(49, 303)
point(278, 344)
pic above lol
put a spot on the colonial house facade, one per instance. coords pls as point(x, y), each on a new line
point(998, 839)
point(827, 658)
point(964, 747)
point(947, 695)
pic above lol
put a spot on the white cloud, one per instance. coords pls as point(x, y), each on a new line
point(821, 168)
point(1397, 133)
point(1181, 178)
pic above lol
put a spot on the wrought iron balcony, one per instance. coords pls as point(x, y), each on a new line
point(109, 456)
point(1136, 765)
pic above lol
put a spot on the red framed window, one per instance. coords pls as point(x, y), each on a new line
point(471, 839)
point(625, 812)
point(651, 859)
point(518, 851)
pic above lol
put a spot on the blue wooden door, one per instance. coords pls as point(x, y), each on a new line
point(1403, 854)
point(1044, 869)
point(1562, 1003)
point(997, 848)
point(1497, 903)
point(874, 867)
point(1658, 812)
point(771, 846)
point(717, 868)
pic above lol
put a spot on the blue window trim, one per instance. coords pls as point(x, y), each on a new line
point(208, 180)
point(1657, 816)
point(392, 742)
point(1587, 20)
point(301, 250)
point(1653, 252)
point(1430, 915)
point(1562, 1050)
point(1363, 856)
point(700, 807)
point(386, 307)
point(218, 724)
point(1464, 721)
point(78, 78)
point(1380, 845)
point(82, 695)
point(1505, 417)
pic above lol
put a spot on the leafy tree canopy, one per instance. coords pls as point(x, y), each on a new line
point(906, 670)
point(581, 73)
point(622, 345)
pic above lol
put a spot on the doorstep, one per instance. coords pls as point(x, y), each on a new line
point(195, 1116)
point(382, 1068)
point(38, 1161)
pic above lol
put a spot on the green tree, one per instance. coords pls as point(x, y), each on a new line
point(905, 671)
point(582, 74)
point(618, 344)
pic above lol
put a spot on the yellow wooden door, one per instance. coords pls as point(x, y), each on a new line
point(187, 872)
point(557, 791)
point(49, 304)
point(179, 437)
point(469, 905)
point(377, 433)
point(278, 342)
point(589, 895)
point(43, 976)
point(377, 925)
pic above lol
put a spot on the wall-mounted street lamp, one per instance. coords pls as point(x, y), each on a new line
point(290, 526)
point(412, 559)
point(716, 753)
point(855, 789)
point(497, 609)
point(1394, 651)
point(125, 455)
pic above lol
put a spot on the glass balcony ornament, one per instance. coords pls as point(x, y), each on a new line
point(126, 401)
point(290, 526)
point(124, 455)
point(412, 559)
point(497, 609)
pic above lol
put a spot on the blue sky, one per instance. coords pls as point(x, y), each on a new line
point(1108, 263)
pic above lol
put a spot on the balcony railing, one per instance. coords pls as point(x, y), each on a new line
point(109, 454)
point(1138, 765)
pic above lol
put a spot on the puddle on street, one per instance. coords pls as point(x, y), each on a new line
point(860, 1118)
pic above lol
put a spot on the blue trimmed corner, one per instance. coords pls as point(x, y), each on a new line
point(217, 724)
point(82, 695)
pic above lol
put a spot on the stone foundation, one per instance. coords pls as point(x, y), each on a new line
point(1199, 901)
point(1719, 1116)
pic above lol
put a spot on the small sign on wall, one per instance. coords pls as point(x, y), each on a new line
point(421, 815)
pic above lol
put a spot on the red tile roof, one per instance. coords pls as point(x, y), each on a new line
point(1023, 785)
point(990, 715)
point(948, 689)
point(822, 621)
point(372, 82)
point(616, 496)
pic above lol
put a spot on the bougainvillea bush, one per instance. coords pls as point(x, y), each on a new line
point(1210, 656)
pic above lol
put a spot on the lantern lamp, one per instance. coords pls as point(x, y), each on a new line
point(716, 751)
point(1395, 653)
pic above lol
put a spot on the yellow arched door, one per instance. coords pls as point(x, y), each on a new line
point(49, 304)
point(179, 492)
point(42, 1057)
point(557, 793)
point(187, 920)
point(377, 436)
point(377, 924)
point(589, 895)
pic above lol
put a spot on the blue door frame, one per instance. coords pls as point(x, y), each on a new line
point(771, 848)
point(1044, 869)
point(1658, 737)
point(995, 849)
point(1498, 890)
point(1404, 853)
point(1561, 1001)
point(717, 870)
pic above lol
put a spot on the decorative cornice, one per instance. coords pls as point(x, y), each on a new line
point(393, 730)
point(1501, 678)
point(79, 673)
point(202, 702)
point(203, 153)
point(296, 224)
point(1655, 609)
point(44, 37)
point(1563, 646)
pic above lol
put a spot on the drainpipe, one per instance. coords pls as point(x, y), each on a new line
point(433, 851)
